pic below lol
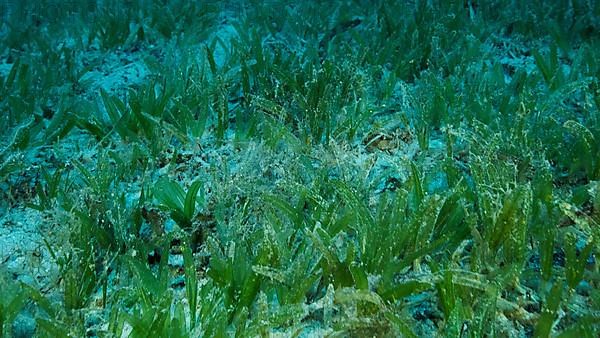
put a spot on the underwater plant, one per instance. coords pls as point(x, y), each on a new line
point(248, 168)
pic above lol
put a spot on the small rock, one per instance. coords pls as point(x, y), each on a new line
point(23, 326)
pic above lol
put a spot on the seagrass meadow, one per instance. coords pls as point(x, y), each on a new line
point(355, 168)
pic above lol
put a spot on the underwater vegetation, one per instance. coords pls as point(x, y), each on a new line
point(305, 169)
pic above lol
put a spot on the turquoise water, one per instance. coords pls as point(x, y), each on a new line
point(317, 168)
